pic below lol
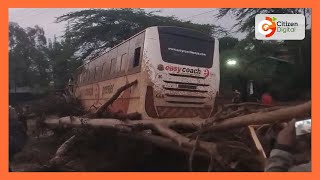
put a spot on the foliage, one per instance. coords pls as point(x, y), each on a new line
point(34, 63)
point(93, 31)
point(28, 64)
point(246, 16)
point(286, 81)
point(63, 61)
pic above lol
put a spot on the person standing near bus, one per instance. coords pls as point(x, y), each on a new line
point(236, 97)
point(266, 98)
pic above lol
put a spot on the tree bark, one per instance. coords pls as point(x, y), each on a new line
point(259, 118)
point(166, 127)
point(113, 98)
point(280, 115)
point(59, 157)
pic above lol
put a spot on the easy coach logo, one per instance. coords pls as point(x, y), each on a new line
point(280, 26)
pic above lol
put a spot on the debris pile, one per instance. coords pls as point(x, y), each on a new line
point(232, 140)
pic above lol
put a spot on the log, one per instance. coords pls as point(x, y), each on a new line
point(268, 115)
point(59, 158)
point(121, 116)
point(230, 115)
point(257, 142)
point(70, 121)
point(161, 126)
point(113, 98)
point(280, 115)
point(165, 127)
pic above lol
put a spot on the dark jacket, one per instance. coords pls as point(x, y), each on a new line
point(282, 161)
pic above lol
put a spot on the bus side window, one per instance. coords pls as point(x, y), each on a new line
point(107, 70)
point(80, 78)
point(113, 66)
point(96, 73)
point(118, 64)
point(88, 76)
point(100, 72)
point(123, 62)
point(103, 70)
point(83, 77)
point(136, 58)
point(92, 70)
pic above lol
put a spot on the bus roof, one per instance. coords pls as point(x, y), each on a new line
point(112, 48)
point(175, 27)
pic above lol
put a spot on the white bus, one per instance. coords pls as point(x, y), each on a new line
point(177, 70)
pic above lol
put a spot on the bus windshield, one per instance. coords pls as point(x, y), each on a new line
point(185, 50)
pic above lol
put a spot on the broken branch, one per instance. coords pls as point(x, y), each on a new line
point(280, 115)
point(113, 98)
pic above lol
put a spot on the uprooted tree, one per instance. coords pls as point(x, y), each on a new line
point(224, 139)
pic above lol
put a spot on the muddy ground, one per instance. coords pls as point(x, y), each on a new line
point(118, 154)
point(36, 152)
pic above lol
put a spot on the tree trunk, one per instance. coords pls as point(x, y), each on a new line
point(166, 127)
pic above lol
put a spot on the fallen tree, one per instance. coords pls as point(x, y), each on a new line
point(258, 118)
point(191, 135)
point(102, 108)
point(228, 139)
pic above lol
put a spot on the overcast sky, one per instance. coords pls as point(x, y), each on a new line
point(44, 17)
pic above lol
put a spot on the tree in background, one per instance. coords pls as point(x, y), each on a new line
point(89, 33)
point(34, 62)
point(252, 63)
point(227, 47)
point(28, 63)
point(63, 61)
point(286, 81)
point(19, 56)
point(246, 16)
point(93, 31)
